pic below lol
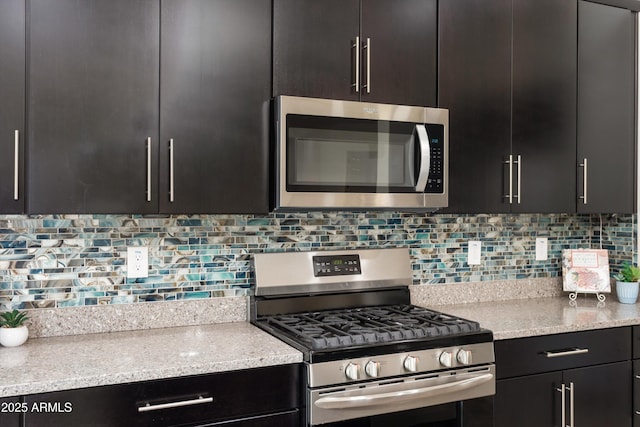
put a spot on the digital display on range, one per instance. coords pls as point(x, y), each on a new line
point(336, 265)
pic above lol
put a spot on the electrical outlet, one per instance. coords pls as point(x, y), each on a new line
point(541, 249)
point(474, 252)
point(137, 262)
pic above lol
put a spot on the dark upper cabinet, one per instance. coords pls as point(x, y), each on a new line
point(507, 76)
point(475, 85)
point(93, 106)
point(606, 109)
point(214, 106)
point(370, 50)
point(12, 93)
point(544, 105)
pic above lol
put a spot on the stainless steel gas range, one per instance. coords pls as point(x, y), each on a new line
point(369, 354)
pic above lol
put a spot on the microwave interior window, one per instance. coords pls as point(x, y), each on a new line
point(350, 155)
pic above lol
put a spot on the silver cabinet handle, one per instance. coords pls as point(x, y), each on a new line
point(425, 158)
point(562, 353)
point(368, 47)
point(563, 412)
point(585, 174)
point(571, 405)
point(356, 50)
point(519, 162)
point(510, 163)
point(16, 164)
point(171, 175)
point(200, 400)
point(148, 169)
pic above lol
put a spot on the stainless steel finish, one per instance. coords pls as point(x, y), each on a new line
point(393, 365)
point(171, 172)
point(425, 157)
point(199, 401)
point(563, 411)
point(585, 174)
point(357, 110)
point(566, 352)
point(291, 273)
point(356, 52)
point(148, 169)
point(16, 164)
point(519, 162)
point(571, 405)
point(371, 398)
point(510, 163)
point(368, 47)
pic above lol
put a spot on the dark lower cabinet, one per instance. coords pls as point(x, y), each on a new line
point(258, 397)
point(12, 94)
point(11, 409)
point(542, 381)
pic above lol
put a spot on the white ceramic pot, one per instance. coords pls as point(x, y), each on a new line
point(13, 337)
point(627, 292)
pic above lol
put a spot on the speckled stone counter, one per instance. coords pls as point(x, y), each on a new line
point(77, 361)
point(543, 316)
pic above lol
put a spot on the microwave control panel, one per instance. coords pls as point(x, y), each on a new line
point(435, 183)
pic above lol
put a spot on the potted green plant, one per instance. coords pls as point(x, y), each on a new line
point(627, 283)
point(13, 331)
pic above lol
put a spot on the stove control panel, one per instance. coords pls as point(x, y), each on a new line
point(399, 364)
point(336, 265)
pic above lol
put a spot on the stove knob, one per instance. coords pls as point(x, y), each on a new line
point(411, 364)
point(446, 359)
point(351, 371)
point(464, 357)
point(372, 368)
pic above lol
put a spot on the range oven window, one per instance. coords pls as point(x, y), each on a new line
point(330, 154)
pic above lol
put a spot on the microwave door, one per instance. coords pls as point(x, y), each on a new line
point(425, 158)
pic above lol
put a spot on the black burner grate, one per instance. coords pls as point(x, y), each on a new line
point(369, 325)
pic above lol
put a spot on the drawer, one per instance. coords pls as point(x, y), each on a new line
point(207, 399)
point(525, 356)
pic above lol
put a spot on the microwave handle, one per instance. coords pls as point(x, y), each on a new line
point(425, 158)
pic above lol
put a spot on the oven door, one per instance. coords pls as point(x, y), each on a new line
point(336, 154)
point(361, 400)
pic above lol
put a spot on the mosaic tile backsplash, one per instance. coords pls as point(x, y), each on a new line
point(76, 260)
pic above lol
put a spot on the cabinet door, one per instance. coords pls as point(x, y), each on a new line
point(10, 408)
point(544, 104)
point(530, 401)
point(606, 108)
point(602, 395)
point(93, 105)
point(313, 48)
point(12, 87)
point(400, 64)
point(474, 84)
point(214, 107)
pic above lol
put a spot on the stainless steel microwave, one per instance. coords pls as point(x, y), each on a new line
point(346, 155)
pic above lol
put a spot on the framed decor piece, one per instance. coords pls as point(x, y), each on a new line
point(586, 271)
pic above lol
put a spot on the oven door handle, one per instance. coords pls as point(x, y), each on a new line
point(425, 158)
point(330, 402)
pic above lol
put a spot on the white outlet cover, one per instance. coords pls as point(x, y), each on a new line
point(541, 249)
point(474, 252)
point(137, 262)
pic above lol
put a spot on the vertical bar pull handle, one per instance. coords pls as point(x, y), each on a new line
point(510, 163)
point(356, 52)
point(563, 412)
point(519, 162)
point(585, 174)
point(148, 169)
point(368, 47)
point(171, 170)
point(571, 405)
point(16, 165)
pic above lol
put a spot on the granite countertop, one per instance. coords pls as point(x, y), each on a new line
point(77, 361)
point(543, 316)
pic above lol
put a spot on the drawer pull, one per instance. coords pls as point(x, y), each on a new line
point(200, 400)
point(569, 352)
